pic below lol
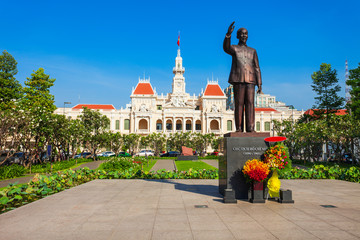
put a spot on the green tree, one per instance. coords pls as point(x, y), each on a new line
point(40, 104)
point(116, 142)
point(216, 142)
point(10, 88)
point(76, 135)
point(144, 142)
point(60, 134)
point(95, 125)
point(354, 82)
point(157, 142)
point(325, 85)
point(13, 124)
point(131, 142)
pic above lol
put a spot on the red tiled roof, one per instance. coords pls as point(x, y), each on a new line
point(213, 90)
point(338, 112)
point(144, 89)
point(265, 110)
point(95, 106)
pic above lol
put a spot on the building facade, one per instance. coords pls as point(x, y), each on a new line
point(178, 111)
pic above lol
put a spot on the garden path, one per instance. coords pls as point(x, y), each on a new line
point(167, 164)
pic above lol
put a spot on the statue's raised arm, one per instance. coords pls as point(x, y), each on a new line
point(231, 29)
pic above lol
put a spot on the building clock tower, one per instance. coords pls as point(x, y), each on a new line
point(178, 85)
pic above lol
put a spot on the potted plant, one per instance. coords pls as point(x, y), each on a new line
point(256, 172)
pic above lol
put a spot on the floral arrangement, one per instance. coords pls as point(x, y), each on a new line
point(275, 157)
point(256, 170)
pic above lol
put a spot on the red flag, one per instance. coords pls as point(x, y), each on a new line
point(178, 42)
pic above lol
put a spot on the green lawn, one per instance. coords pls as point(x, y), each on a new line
point(196, 165)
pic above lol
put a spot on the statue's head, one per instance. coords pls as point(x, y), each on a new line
point(242, 35)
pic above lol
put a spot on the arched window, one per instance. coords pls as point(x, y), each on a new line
point(159, 125)
point(178, 125)
point(188, 125)
point(117, 124)
point(143, 124)
point(214, 125)
point(267, 126)
point(198, 125)
point(257, 126)
point(127, 124)
point(229, 125)
point(168, 124)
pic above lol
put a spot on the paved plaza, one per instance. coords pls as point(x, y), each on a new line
point(165, 209)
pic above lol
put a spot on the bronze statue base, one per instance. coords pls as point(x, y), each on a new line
point(247, 134)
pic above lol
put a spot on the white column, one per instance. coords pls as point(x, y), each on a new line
point(174, 125)
point(271, 123)
point(193, 124)
point(149, 124)
point(261, 121)
point(184, 124)
point(164, 124)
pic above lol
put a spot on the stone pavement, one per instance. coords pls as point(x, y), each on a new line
point(28, 177)
point(165, 209)
point(167, 164)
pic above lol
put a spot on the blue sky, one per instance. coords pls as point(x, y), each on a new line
point(98, 49)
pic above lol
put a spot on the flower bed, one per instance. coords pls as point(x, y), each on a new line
point(351, 174)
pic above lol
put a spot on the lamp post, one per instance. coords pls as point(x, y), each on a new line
point(68, 143)
point(292, 127)
point(292, 112)
point(64, 106)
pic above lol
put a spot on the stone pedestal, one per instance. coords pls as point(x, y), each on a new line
point(286, 196)
point(257, 193)
point(237, 148)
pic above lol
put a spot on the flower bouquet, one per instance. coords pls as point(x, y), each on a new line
point(275, 158)
point(256, 172)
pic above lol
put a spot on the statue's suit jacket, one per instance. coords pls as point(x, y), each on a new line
point(245, 64)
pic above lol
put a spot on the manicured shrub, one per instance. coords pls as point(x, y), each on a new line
point(12, 171)
point(120, 163)
point(57, 166)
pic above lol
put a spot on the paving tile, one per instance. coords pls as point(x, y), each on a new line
point(91, 235)
point(213, 234)
point(172, 235)
point(245, 226)
point(252, 235)
point(209, 224)
point(329, 234)
point(278, 225)
point(172, 224)
point(135, 225)
point(116, 209)
point(293, 234)
point(131, 235)
point(315, 225)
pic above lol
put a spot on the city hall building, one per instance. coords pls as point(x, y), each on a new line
point(209, 112)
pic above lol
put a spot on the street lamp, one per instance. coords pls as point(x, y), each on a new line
point(68, 143)
point(64, 106)
point(292, 125)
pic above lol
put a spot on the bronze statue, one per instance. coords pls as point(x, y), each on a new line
point(244, 75)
